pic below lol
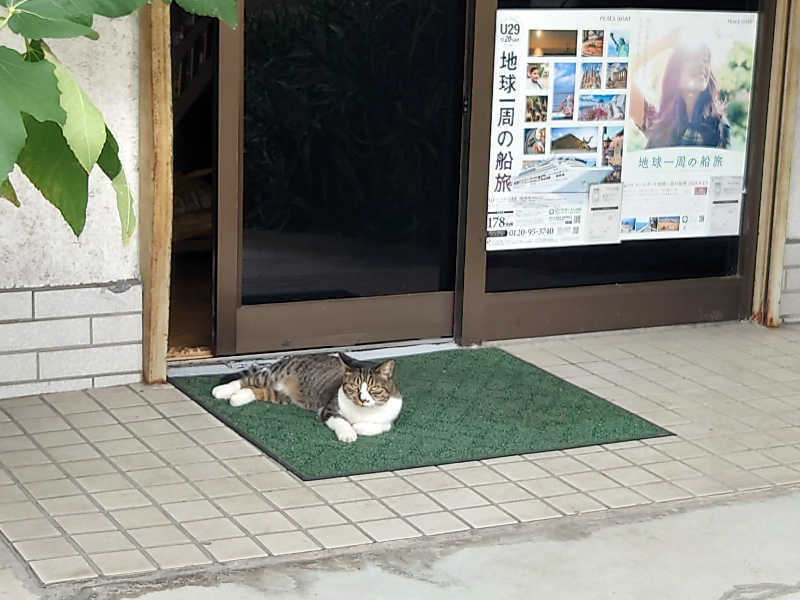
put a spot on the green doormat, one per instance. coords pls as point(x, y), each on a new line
point(458, 405)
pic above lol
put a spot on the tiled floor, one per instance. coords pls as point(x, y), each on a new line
point(131, 480)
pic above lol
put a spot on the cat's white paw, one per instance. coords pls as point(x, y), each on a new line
point(347, 436)
point(242, 397)
point(226, 390)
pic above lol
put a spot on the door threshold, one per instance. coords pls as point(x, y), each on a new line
point(227, 365)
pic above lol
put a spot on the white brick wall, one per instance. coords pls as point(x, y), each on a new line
point(67, 339)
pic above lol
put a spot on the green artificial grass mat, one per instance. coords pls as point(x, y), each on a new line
point(458, 405)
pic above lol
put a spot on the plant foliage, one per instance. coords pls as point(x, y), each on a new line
point(48, 125)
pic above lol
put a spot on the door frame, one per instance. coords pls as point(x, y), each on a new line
point(532, 313)
point(316, 323)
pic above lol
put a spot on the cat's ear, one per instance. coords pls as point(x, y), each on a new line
point(347, 362)
point(385, 369)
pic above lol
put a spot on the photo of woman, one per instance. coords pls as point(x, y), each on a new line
point(686, 105)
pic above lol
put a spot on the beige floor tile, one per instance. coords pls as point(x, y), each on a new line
point(385, 530)
point(619, 497)
point(704, 486)
point(68, 505)
point(293, 498)
point(105, 433)
point(74, 452)
point(499, 460)
point(244, 504)
point(43, 425)
point(71, 402)
point(198, 421)
point(387, 486)
point(458, 498)
point(134, 462)
point(91, 419)
point(546, 487)
point(269, 522)
point(341, 492)
point(17, 511)
point(85, 523)
point(126, 562)
point(750, 459)
point(517, 471)
point(682, 450)
point(643, 455)
point(191, 455)
point(174, 492)
point(631, 476)
point(561, 465)
point(36, 473)
point(212, 435)
point(116, 397)
point(662, 492)
point(591, 480)
point(339, 536)
point(17, 442)
point(778, 474)
point(5, 478)
point(219, 488)
point(438, 522)
point(484, 516)
point(121, 499)
point(11, 493)
point(54, 439)
point(290, 542)
point(432, 481)
point(235, 549)
point(104, 483)
point(502, 492)
point(177, 556)
point(56, 570)
point(147, 516)
point(163, 535)
point(157, 476)
point(315, 516)
point(120, 447)
point(152, 428)
point(479, 475)
point(86, 468)
point(213, 529)
point(194, 510)
point(41, 549)
point(235, 449)
point(52, 488)
point(672, 470)
point(274, 480)
point(411, 504)
point(180, 408)
point(720, 444)
point(37, 410)
point(204, 471)
point(571, 504)
point(783, 454)
point(107, 541)
point(363, 510)
point(133, 414)
point(23, 458)
point(250, 465)
point(741, 480)
point(170, 441)
point(29, 529)
point(530, 510)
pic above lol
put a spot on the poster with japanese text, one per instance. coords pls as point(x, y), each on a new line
point(647, 110)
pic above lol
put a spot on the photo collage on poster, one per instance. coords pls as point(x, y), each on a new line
point(592, 138)
point(576, 83)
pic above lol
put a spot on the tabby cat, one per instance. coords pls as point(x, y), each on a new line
point(351, 397)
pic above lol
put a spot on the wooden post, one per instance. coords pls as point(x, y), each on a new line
point(155, 206)
point(783, 167)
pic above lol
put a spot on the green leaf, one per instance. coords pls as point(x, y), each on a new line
point(29, 87)
point(39, 19)
point(223, 9)
point(7, 192)
point(116, 8)
point(52, 167)
point(110, 164)
point(84, 128)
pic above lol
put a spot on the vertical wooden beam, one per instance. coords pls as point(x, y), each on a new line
point(155, 205)
point(765, 259)
point(783, 165)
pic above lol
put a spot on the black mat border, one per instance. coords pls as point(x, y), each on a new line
point(176, 381)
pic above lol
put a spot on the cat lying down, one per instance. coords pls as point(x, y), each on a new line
point(351, 397)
